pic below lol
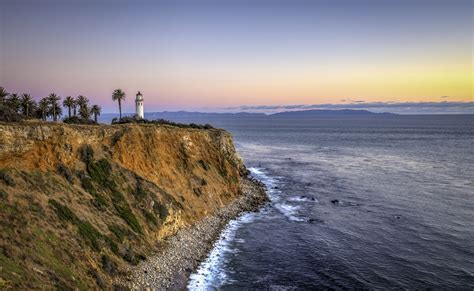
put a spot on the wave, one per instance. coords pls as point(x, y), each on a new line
point(212, 272)
point(289, 211)
point(303, 199)
point(270, 182)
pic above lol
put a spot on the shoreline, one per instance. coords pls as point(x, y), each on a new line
point(171, 267)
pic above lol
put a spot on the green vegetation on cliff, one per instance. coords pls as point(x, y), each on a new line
point(79, 203)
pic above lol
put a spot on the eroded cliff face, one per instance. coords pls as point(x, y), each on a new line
point(80, 202)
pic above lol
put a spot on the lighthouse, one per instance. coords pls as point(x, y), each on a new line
point(139, 106)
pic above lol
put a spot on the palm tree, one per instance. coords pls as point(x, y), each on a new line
point(96, 111)
point(43, 107)
point(27, 104)
point(13, 102)
point(55, 108)
point(58, 110)
point(74, 107)
point(82, 102)
point(119, 95)
point(69, 103)
point(85, 112)
point(3, 94)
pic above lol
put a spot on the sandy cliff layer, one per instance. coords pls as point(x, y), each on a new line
point(80, 203)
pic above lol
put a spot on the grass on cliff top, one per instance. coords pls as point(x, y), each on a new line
point(127, 119)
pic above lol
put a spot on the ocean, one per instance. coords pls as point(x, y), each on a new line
point(366, 203)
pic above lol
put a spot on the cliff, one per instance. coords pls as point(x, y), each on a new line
point(80, 203)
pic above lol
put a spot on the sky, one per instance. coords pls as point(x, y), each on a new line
point(217, 55)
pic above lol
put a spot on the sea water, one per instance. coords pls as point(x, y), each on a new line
point(369, 203)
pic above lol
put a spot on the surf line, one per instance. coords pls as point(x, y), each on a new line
point(213, 272)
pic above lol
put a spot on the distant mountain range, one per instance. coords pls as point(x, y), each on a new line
point(205, 117)
point(328, 113)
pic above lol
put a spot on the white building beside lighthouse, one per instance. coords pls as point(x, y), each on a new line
point(139, 106)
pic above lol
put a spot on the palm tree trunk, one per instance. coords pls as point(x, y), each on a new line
point(69, 110)
point(27, 111)
point(95, 117)
point(120, 109)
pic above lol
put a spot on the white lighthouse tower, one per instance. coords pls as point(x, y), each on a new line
point(139, 106)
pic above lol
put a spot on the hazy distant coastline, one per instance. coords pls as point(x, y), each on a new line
point(193, 115)
point(210, 117)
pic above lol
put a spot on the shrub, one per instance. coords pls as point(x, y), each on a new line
point(126, 119)
point(36, 207)
point(150, 218)
point(78, 120)
point(109, 266)
point(116, 137)
point(86, 183)
point(140, 191)
point(129, 119)
point(127, 215)
point(65, 172)
point(130, 256)
point(9, 114)
point(86, 153)
point(100, 173)
point(89, 234)
point(99, 200)
point(117, 197)
point(118, 231)
point(99, 281)
point(113, 246)
point(7, 178)
point(204, 165)
point(223, 171)
point(3, 195)
point(197, 191)
point(63, 212)
point(161, 210)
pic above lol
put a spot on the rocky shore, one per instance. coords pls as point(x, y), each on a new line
point(183, 252)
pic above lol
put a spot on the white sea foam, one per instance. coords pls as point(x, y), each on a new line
point(256, 171)
point(289, 211)
point(270, 182)
point(212, 272)
point(303, 199)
